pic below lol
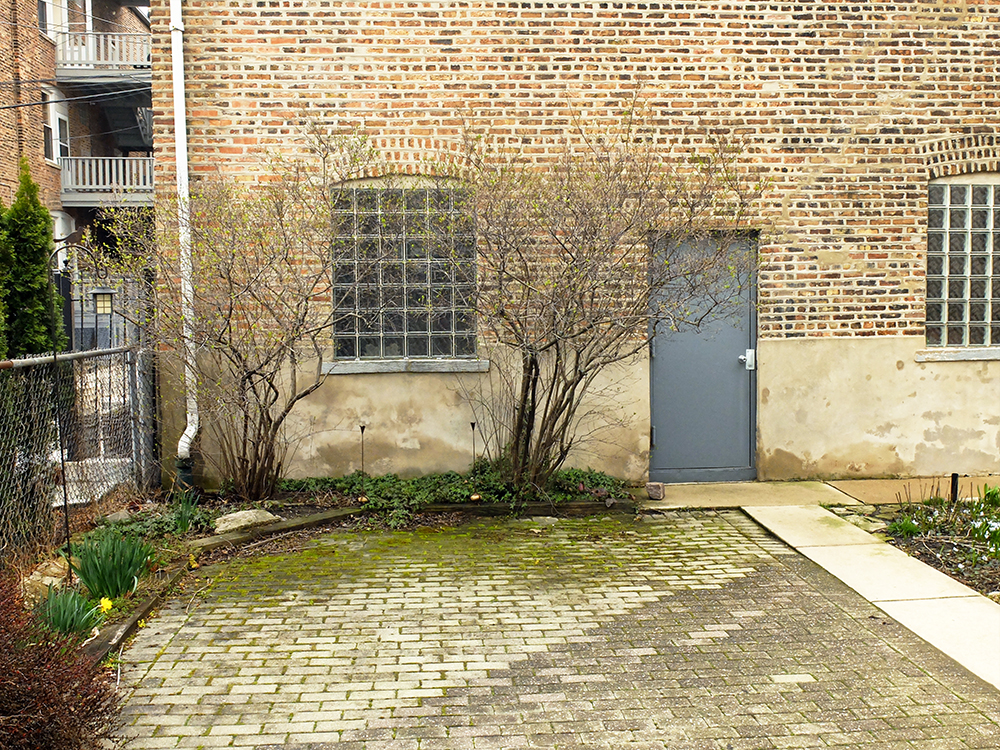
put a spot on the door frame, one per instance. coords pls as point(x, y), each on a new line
point(726, 474)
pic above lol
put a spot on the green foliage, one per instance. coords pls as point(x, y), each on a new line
point(110, 564)
point(585, 484)
point(5, 265)
point(185, 511)
point(69, 612)
point(904, 527)
point(990, 496)
point(977, 522)
point(396, 500)
point(30, 298)
point(985, 519)
point(185, 515)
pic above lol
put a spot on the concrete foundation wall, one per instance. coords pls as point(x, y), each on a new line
point(418, 423)
point(849, 407)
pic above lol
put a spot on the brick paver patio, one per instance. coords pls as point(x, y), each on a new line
point(686, 631)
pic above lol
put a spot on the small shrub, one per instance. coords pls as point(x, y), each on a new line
point(110, 564)
point(69, 612)
point(990, 496)
point(904, 527)
point(51, 694)
point(185, 512)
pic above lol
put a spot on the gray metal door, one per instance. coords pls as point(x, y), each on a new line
point(703, 401)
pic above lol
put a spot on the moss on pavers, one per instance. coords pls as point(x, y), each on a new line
point(113, 637)
point(681, 631)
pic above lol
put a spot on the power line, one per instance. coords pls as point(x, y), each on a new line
point(92, 18)
point(107, 95)
point(54, 82)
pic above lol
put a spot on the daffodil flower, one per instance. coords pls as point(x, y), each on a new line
point(106, 604)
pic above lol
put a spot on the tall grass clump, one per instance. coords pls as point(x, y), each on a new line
point(110, 564)
point(68, 612)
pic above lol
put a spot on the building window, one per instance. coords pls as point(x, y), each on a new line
point(55, 126)
point(62, 130)
point(51, 16)
point(405, 274)
point(963, 262)
point(48, 141)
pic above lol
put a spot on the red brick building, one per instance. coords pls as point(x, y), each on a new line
point(874, 345)
point(75, 102)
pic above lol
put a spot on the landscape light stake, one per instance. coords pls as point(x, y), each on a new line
point(362, 458)
point(473, 426)
point(954, 488)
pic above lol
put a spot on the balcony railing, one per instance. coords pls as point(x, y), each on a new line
point(79, 51)
point(107, 180)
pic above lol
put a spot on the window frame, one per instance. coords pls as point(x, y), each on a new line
point(406, 262)
point(52, 18)
point(43, 16)
point(56, 136)
point(962, 300)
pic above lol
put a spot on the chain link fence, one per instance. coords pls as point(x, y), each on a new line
point(76, 432)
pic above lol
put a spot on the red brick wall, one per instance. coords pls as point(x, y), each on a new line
point(25, 55)
point(29, 56)
point(851, 108)
point(110, 16)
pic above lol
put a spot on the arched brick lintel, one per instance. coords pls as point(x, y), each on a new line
point(967, 154)
point(400, 155)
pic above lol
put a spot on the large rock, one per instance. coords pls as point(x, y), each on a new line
point(118, 516)
point(36, 586)
point(243, 519)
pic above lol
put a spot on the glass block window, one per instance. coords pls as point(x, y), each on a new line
point(405, 274)
point(963, 265)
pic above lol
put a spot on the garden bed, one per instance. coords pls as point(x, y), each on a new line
point(961, 539)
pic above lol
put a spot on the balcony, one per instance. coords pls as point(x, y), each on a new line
point(107, 181)
point(110, 61)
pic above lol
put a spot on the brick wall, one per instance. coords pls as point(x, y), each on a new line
point(110, 16)
point(25, 55)
point(29, 56)
point(849, 107)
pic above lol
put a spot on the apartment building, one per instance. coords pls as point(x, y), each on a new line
point(871, 343)
point(75, 101)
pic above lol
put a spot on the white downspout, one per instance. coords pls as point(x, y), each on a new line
point(184, 235)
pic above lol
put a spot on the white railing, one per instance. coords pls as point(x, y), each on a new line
point(125, 179)
point(93, 49)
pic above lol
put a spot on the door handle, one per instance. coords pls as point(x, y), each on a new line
point(749, 360)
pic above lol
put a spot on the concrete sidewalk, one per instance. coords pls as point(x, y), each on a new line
point(948, 615)
point(834, 492)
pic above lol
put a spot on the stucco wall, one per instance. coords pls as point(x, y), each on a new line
point(848, 407)
point(416, 423)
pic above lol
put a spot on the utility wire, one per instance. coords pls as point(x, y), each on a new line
point(106, 95)
point(40, 82)
point(93, 18)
